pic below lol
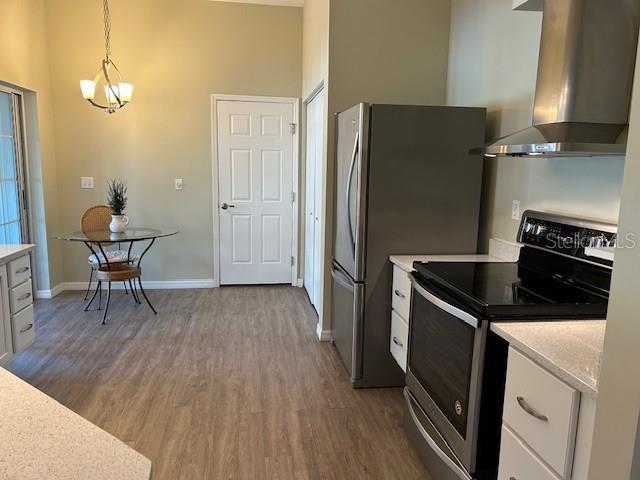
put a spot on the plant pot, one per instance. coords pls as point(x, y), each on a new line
point(118, 223)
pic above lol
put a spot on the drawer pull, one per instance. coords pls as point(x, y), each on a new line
point(399, 294)
point(397, 342)
point(27, 328)
point(24, 297)
point(22, 270)
point(530, 410)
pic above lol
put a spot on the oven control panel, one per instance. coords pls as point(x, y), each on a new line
point(570, 236)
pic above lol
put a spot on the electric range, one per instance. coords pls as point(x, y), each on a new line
point(457, 367)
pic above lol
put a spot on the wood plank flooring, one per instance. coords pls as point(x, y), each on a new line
point(228, 383)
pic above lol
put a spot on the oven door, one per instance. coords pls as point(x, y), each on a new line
point(444, 374)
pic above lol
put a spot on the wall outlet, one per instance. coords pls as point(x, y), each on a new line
point(515, 210)
point(86, 182)
point(178, 183)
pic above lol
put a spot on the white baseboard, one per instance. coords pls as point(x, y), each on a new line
point(300, 283)
point(149, 285)
point(48, 294)
point(323, 335)
point(153, 285)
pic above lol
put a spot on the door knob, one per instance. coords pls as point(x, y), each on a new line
point(225, 206)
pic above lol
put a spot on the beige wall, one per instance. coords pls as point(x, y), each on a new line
point(24, 64)
point(176, 53)
point(616, 434)
point(493, 62)
point(315, 45)
point(381, 51)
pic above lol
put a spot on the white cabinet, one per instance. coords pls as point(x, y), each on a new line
point(547, 425)
point(399, 339)
point(400, 306)
point(518, 462)
point(6, 345)
point(543, 410)
point(17, 328)
point(401, 292)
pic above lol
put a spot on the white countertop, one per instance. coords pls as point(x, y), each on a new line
point(405, 262)
point(10, 251)
point(41, 439)
point(571, 350)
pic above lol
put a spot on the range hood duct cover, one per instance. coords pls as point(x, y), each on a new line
point(585, 78)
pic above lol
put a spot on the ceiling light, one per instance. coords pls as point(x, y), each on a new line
point(117, 95)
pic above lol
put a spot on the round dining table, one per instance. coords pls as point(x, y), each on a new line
point(97, 241)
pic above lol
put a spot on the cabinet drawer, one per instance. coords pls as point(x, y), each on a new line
point(23, 329)
point(19, 270)
point(520, 463)
point(542, 410)
point(401, 292)
point(21, 296)
point(399, 340)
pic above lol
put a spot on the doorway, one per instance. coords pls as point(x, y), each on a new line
point(315, 119)
point(255, 182)
point(13, 191)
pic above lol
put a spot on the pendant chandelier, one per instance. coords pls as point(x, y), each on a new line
point(117, 94)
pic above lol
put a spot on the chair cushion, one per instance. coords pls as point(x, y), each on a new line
point(114, 256)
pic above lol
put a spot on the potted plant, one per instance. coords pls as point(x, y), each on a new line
point(117, 198)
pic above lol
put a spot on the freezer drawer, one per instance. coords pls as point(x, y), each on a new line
point(346, 313)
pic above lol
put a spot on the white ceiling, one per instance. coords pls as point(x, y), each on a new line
point(284, 3)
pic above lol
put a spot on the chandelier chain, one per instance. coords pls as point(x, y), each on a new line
point(107, 30)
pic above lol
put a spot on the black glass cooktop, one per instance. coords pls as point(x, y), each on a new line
point(514, 290)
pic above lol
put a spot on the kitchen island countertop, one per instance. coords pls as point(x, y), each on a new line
point(9, 251)
point(42, 439)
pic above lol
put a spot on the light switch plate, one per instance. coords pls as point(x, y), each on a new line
point(86, 182)
point(515, 210)
point(178, 184)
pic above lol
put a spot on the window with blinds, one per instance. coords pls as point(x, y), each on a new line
point(12, 205)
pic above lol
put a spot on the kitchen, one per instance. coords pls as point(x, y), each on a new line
point(470, 412)
point(454, 247)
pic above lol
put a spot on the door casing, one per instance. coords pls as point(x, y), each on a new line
point(295, 103)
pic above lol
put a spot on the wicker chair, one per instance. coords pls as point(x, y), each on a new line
point(97, 219)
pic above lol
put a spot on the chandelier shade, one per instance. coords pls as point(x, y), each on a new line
point(117, 94)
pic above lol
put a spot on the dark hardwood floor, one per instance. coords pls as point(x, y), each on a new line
point(228, 383)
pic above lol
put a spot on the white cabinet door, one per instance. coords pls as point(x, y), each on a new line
point(6, 345)
point(313, 198)
point(543, 410)
point(401, 293)
point(518, 462)
point(255, 180)
point(399, 340)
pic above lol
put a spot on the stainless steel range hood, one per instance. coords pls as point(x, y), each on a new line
point(585, 77)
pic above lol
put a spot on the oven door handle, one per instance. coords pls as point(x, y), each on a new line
point(460, 473)
point(442, 305)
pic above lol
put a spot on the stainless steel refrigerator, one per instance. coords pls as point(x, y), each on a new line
point(405, 184)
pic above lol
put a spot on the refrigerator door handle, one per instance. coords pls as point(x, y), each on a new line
point(354, 156)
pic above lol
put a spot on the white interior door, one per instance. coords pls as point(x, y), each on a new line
point(313, 198)
point(255, 184)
